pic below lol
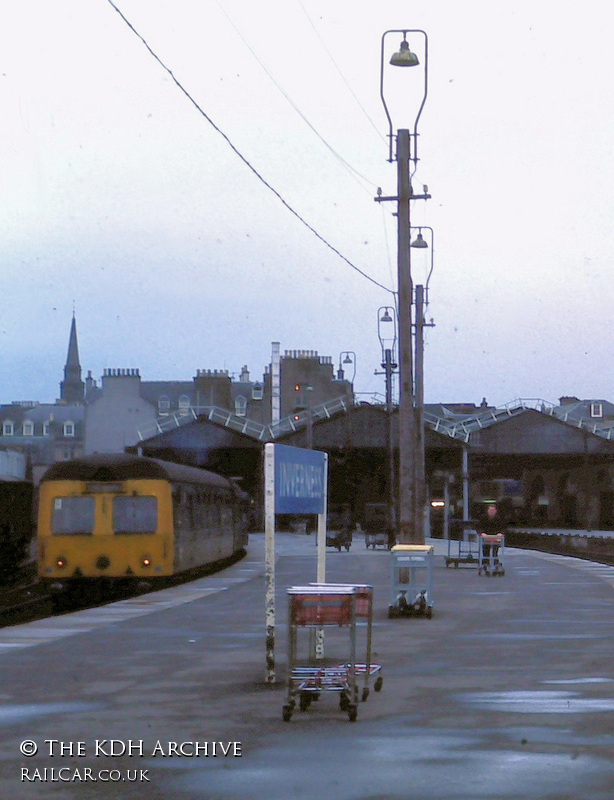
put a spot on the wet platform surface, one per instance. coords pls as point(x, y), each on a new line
point(507, 692)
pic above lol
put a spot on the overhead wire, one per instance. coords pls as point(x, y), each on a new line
point(353, 171)
point(343, 78)
point(241, 156)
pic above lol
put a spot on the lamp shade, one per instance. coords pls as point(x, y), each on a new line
point(404, 57)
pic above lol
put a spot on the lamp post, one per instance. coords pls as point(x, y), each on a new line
point(309, 392)
point(406, 151)
point(387, 334)
point(349, 358)
point(421, 298)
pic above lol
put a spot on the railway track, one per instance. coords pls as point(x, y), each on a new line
point(24, 599)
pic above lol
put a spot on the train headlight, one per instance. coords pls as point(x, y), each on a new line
point(146, 561)
point(60, 562)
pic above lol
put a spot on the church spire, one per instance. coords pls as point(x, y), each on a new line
point(71, 388)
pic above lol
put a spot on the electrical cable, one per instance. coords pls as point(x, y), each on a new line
point(241, 156)
point(353, 171)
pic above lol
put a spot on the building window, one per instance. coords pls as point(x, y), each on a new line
point(46, 428)
point(28, 428)
point(597, 410)
point(8, 429)
point(164, 405)
point(184, 405)
point(240, 406)
point(257, 391)
point(69, 428)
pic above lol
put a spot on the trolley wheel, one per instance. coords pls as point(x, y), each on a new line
point(352, 713)
point(379, 682)
point(344, 702)
point(429, 612)
point(287, 713)
point(365, 694)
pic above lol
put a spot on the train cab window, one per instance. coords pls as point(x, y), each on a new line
point(135, 514)
point(72, 516)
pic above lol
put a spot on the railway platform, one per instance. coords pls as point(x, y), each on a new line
point(507, 692)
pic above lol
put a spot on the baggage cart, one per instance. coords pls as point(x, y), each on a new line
point(363, 611)
point(463, 545)
point(313, 607)
point(376, 539)
point(492, 554)
point(411, 580)
point(339, 539)
point(377, 525)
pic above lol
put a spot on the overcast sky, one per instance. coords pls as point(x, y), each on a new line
point(119, 196)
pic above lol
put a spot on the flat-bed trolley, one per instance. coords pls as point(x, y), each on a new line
point(492, 552)
point(377, 525)
point(463, 544)
point(314, 607)
point(374, 540)
point(411, 580)
point(364, 611)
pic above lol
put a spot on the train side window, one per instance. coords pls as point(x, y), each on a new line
point(226, 515)
point(72, 516)
point(135, 514)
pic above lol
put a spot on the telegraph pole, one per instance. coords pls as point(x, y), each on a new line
point(420, 484)
point(409, 492)
point(407, 422)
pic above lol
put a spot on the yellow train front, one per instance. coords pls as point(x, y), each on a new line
point(132, 519)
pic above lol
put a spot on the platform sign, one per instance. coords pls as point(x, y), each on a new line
point(300, 480)
point(295, 482)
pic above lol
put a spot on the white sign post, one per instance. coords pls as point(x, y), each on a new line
point(295, 482)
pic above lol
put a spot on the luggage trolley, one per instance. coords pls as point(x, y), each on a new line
point(363, 610)
point(377, 525)
point(317, 607)
point(379, 539)
point(464, 547)
point(492, 547)
point(411, 589)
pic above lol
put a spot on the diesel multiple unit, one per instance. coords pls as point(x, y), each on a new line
point(127, 517)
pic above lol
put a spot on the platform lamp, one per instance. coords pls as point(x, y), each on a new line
point(406, 151)
point(387, 335)
point(421, 299)
point(349, 358)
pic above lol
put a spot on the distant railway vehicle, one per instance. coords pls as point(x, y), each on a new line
point(127, 518)
point(16, 526)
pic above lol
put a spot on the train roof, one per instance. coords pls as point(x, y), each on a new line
point(121, 467)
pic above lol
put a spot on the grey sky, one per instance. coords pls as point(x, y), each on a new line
point(117, 194)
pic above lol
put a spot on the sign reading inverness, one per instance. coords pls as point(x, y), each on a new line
point(300, 480)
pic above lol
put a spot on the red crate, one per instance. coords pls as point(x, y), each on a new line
point(321, 608)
